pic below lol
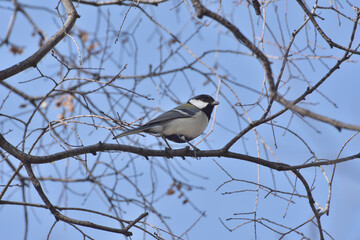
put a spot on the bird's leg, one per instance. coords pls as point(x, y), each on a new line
point(194, 148)
point(162, 136)
point(167, 150)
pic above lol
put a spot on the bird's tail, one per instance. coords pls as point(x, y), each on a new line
point(132, 131)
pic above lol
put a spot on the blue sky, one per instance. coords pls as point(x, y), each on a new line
point(143, 44)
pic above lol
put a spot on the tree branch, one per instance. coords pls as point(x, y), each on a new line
point(28, 159)
point(322, 33)
point(183, 152)
point(34, 59)
point(119, 2)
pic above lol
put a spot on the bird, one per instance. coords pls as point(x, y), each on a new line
point(182, 123)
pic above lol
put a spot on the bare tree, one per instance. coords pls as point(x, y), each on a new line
point(76, 73)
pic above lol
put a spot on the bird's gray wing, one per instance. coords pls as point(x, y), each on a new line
point(183, 111)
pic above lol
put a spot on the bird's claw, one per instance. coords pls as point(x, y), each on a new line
point(195, 152)
point(168, 152)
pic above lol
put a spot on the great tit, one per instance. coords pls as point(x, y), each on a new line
point(180, 124)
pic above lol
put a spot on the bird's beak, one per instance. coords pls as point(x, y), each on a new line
point(215, 103)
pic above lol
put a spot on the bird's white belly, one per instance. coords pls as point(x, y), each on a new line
point(189, 127)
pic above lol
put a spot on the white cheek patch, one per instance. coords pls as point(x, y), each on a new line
point(198, 103)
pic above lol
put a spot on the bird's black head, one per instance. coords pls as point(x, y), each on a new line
point(205, 103)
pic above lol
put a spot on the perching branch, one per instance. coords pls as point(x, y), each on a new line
point(185, 152)
point(169, 153)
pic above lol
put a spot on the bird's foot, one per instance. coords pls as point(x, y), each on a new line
point(196, 150)
point(168, 152)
